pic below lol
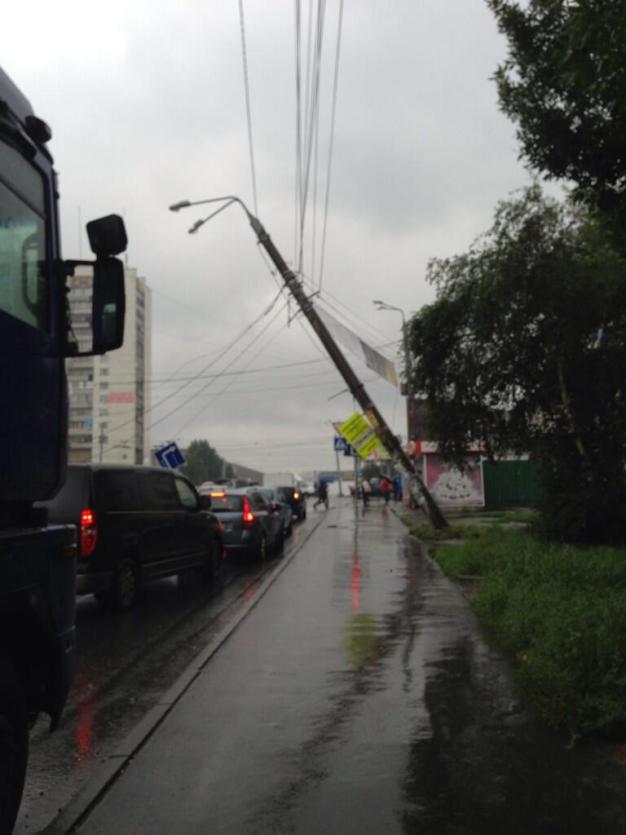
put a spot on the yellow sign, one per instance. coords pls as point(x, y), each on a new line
point(354, 428)
point(360, 435)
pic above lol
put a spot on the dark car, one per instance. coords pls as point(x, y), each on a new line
point(135, 524)
point(252, 523)
point(272, 494)
point(296, 499)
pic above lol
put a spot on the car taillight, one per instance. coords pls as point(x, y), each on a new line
point(248, 516)
point(88, 532)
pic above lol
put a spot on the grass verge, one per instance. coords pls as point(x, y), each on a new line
point(429, 534)
point(560, 610)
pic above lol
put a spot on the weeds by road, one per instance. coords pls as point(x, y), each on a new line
point(560, 611)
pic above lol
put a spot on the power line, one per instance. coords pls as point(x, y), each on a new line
point(227, 387)
point(244, 56)
point(203, 388)
point(298, 177)
point(202, 370)
point(232, 362)
point(264, 368)
point(325, 300)
point(247, 391)
point(331, 142)
point(312, 119)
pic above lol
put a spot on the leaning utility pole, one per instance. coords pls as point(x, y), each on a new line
point(388, 439)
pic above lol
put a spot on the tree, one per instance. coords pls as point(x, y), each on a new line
point(564, 84)
point(203, 462)
point(524, 350)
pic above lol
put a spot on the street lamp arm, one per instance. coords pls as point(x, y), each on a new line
point(384, 306)
point(227, 200)
point(185, 204)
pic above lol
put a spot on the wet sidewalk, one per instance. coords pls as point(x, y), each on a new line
point(358, 697)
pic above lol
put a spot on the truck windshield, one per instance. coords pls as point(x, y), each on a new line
point(23, 290)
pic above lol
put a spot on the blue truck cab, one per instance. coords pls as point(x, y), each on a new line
point(37, 560)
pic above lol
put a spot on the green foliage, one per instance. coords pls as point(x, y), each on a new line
point(563, 83)
point(203, 463)
point(524, 349)
point(428, 533)
point(560, 610)
point(515, 517)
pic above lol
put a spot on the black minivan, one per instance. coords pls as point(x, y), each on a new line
point(135, 524)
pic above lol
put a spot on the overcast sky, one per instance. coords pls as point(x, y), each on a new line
point(146, 104)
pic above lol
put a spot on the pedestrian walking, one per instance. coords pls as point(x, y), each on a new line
point(385, 489)
point(397, 488)
point(322, 495)
point(366, 490)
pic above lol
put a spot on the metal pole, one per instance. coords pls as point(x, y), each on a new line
point(356, 486)
point(338, 472)
point(408, 374)
point(388, 439)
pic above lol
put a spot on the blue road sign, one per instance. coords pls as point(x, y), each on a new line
point(169, 456)
point(340, 444)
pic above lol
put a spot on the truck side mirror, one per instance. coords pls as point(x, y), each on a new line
point(109, 305)
point(107, 235)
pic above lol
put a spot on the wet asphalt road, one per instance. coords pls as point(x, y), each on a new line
point(125, 663)
point(358, 696)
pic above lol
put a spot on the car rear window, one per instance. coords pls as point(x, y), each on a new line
point(226, 503)
point(159, 491)
point(72, 497)
point(117, 490)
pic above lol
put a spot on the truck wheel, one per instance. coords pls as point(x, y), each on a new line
point(13, 744)
point(124, 585)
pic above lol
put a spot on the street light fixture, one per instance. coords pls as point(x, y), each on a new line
point(380, 305)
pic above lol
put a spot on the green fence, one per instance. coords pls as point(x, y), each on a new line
point(512, 484)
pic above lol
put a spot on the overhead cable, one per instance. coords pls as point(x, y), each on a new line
point(204, 368)
point(244, 56)
point(331, 143)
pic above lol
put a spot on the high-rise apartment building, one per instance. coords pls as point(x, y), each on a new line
point(110, 394)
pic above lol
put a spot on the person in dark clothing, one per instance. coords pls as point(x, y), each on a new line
point(385, 489)
point(322, 495)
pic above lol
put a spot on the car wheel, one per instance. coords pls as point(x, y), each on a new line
point(213, 564)
point(13, 744)
point(279, 545)
point(261, 549)
point(125, 584)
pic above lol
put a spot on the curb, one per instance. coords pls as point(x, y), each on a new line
point(77, 810)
